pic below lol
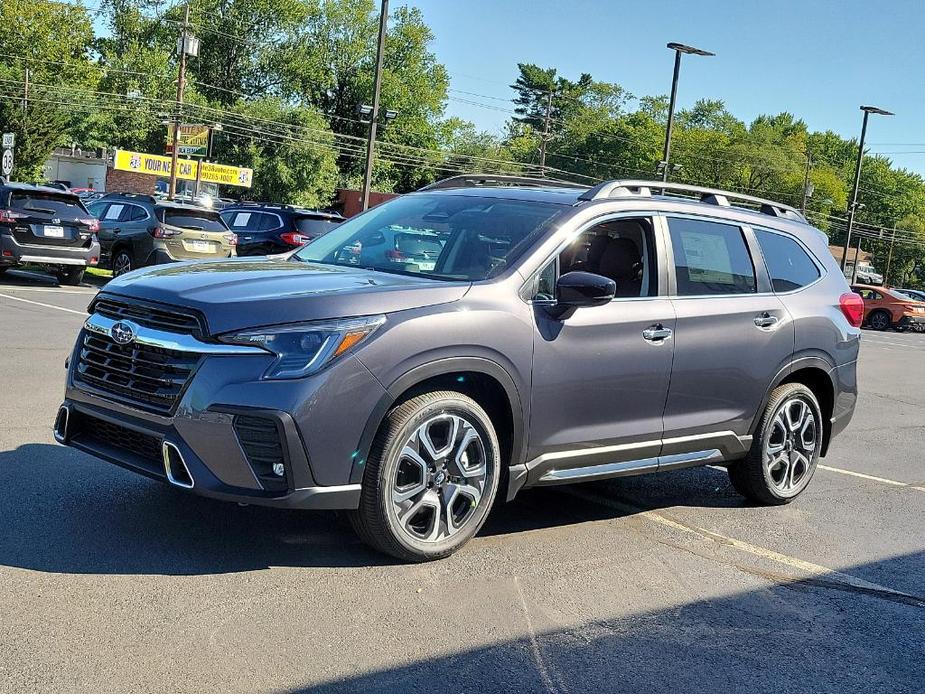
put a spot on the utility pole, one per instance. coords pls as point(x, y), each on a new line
point(545, 133)
point(852, 208)
point(889, 258)
point(181, 83)
point(25, 101)
point(806, 182)
point(857, 261)
point(373, 119)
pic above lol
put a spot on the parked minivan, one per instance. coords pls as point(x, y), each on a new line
point(562, 334)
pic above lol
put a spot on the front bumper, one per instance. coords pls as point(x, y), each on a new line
point(13, 253)
point(319, 423)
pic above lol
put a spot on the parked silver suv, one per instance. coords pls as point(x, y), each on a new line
point(561, 334)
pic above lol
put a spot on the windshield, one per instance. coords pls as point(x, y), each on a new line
point(440, 236)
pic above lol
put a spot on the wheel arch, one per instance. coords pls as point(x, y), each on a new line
point(815, 373)
point(486, 381)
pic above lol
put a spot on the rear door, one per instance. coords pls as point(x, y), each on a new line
point(198, 234)
point(733, 335)
point(49, 219)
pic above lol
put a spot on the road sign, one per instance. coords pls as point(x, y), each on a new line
point(9, 140)
point(6, 167)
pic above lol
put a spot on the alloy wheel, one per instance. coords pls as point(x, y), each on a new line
point(121, 265)
point(790, 450)
point(440, 477)
point(879, 321)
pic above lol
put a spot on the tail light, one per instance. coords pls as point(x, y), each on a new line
point(160, 232)
point(11, 217)
point(294, 238)
point(92, 224)
point(231, 238)
point(853, 307)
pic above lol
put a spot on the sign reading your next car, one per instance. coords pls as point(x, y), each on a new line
point(157, 165)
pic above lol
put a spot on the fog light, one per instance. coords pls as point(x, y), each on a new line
point(279, 469)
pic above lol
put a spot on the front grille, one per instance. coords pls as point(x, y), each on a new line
point(260, 440)
point(89, 429)
point(151, 378)
point(173, 320)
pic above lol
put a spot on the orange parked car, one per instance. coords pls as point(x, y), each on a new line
point(889, 308)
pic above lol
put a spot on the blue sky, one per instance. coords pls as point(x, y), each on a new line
point(817, 59)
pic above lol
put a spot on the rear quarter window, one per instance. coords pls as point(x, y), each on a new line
point(788, 264)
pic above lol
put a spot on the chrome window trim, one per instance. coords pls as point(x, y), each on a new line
point(101, 325)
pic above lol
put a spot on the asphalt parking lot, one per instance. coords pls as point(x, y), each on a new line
point(671, 583)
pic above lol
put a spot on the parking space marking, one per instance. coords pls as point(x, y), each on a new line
point(872, 478)
point(57, 290)
point(39, 303)
point(814, 570)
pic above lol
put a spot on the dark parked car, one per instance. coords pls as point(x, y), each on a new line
point(563, 334)
point(265, 229)
point(139, 230)
point(49, 227)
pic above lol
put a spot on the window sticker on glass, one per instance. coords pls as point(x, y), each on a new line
point(707, 258)
point(114, 211)
point(241, 219)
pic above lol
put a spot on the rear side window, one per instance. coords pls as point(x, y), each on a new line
point(710, 258)
point(788, 264)
point(199, 220)
point(52, 204)
point(133, 213)
point(250, 221)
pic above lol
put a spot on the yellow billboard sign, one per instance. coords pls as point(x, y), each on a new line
point(193, 140)
point(157, 165)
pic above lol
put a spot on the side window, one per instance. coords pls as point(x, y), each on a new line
point(97, 209)
point(113, 212)
point(789, 265)
point(132, 213)
point(268, 222)
point(620, 249)
point(710, 258)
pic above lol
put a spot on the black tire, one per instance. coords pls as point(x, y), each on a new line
point(122, 262)
point(71, 276)
point(4, 269)
point(376, 520)
point(752, 477)
point(879, 320)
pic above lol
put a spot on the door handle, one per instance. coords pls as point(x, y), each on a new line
point(766, 320)
point(657, 333)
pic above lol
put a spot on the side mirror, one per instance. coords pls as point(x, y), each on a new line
point(583, 289)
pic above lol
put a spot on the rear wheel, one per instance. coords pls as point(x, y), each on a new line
point(785, 450)
point(879, 320)
point(122, 262)
point(4, 269)
point(71, 276)
point(431, 478)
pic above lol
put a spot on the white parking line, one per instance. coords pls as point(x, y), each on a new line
point(872, 478)
point(39, 303)
point(57, 290)
point(810, 568)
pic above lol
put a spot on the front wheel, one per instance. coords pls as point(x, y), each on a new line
point(122, 262)
point(431, 478)
point(785, 450)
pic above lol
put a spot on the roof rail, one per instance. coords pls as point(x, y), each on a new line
point(498, 181)
point(711, 196)
point(131, 196)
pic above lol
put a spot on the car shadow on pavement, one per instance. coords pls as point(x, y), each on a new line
point(799, 636)
point(66, 512)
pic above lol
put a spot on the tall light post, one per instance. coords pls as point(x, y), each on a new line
point(678, 49)
point(852, 207)
point(371, 145)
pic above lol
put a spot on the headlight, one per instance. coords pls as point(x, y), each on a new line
point(304, 348)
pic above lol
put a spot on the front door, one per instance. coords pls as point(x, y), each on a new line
point(733, 336)
point(600, 375)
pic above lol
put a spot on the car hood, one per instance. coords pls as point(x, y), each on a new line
point(245, 293)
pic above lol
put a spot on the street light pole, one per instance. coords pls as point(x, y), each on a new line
point(852, 207)
point(678, 49)
point(545, 138)
point(807, 184)
point(371, 145)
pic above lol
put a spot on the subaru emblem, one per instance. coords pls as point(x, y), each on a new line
point(122, 333)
